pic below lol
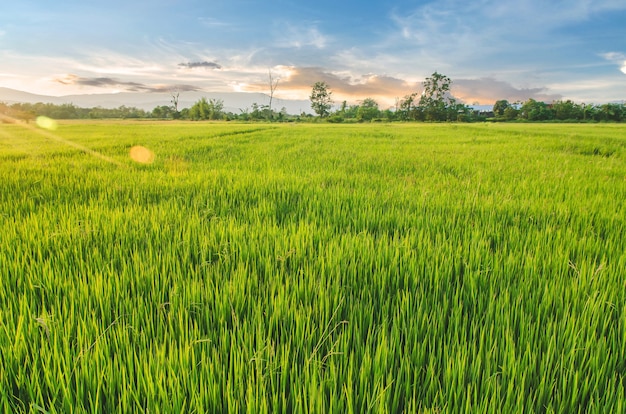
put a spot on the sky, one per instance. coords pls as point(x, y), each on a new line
point(491, 49)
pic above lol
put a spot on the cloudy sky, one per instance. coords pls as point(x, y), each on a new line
point(491, 49)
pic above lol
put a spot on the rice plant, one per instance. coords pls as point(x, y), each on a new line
point(312, 268)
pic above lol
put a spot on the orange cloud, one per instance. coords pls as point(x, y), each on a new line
point(106, 82)
point(486, 91)
point(299, 81)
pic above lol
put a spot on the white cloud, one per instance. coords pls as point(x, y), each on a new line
point(289, 35)
point(596, 90)
point(455, 28)
point(525, 43)
point(547, 15)
point(212, 22)
point(528, 43)
point(486, 91)
point(617, 58)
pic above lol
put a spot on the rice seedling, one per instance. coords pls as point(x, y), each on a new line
point(312, 268)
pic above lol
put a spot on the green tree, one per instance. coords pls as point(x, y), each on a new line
point(162, 112)
point(344, 107)
point(351, 112)
point(216, 109)
point(500, 107)
point(203, 109)
point(408, 108)
point(389, 115)
point(321, 99)
point(533, 110)
point(368, 110)
point(436, 99)
point(199, 110)
point(567, 110)
point(610, 112)
point(460, 112)
point(510, 113)
point(260, 112)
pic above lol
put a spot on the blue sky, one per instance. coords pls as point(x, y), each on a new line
point(491, 49)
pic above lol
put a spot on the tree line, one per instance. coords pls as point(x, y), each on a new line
point(532, 110)
point(203, 109)
point(29, 111)
point(434, 104)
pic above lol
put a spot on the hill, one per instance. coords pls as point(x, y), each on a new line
point(233, 101)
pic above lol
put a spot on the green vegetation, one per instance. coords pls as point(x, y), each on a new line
point(321, 99)
point(28, 112)
point(434, 103)
point(559, 111)
point(313, 268)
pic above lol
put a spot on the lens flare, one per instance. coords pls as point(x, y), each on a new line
point(142, 155)
point(46, 123)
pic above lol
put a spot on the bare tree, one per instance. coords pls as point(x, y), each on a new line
point(175, 94)
point(273, 84)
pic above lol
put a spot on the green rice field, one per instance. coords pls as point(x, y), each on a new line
point(312, 268)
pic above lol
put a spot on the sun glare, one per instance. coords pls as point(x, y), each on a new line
point(142, 155)
point(239, 87)
point(284, 72)
point(46, 123)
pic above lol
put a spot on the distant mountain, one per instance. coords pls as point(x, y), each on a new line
point(233, 101)
point(11, 96)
